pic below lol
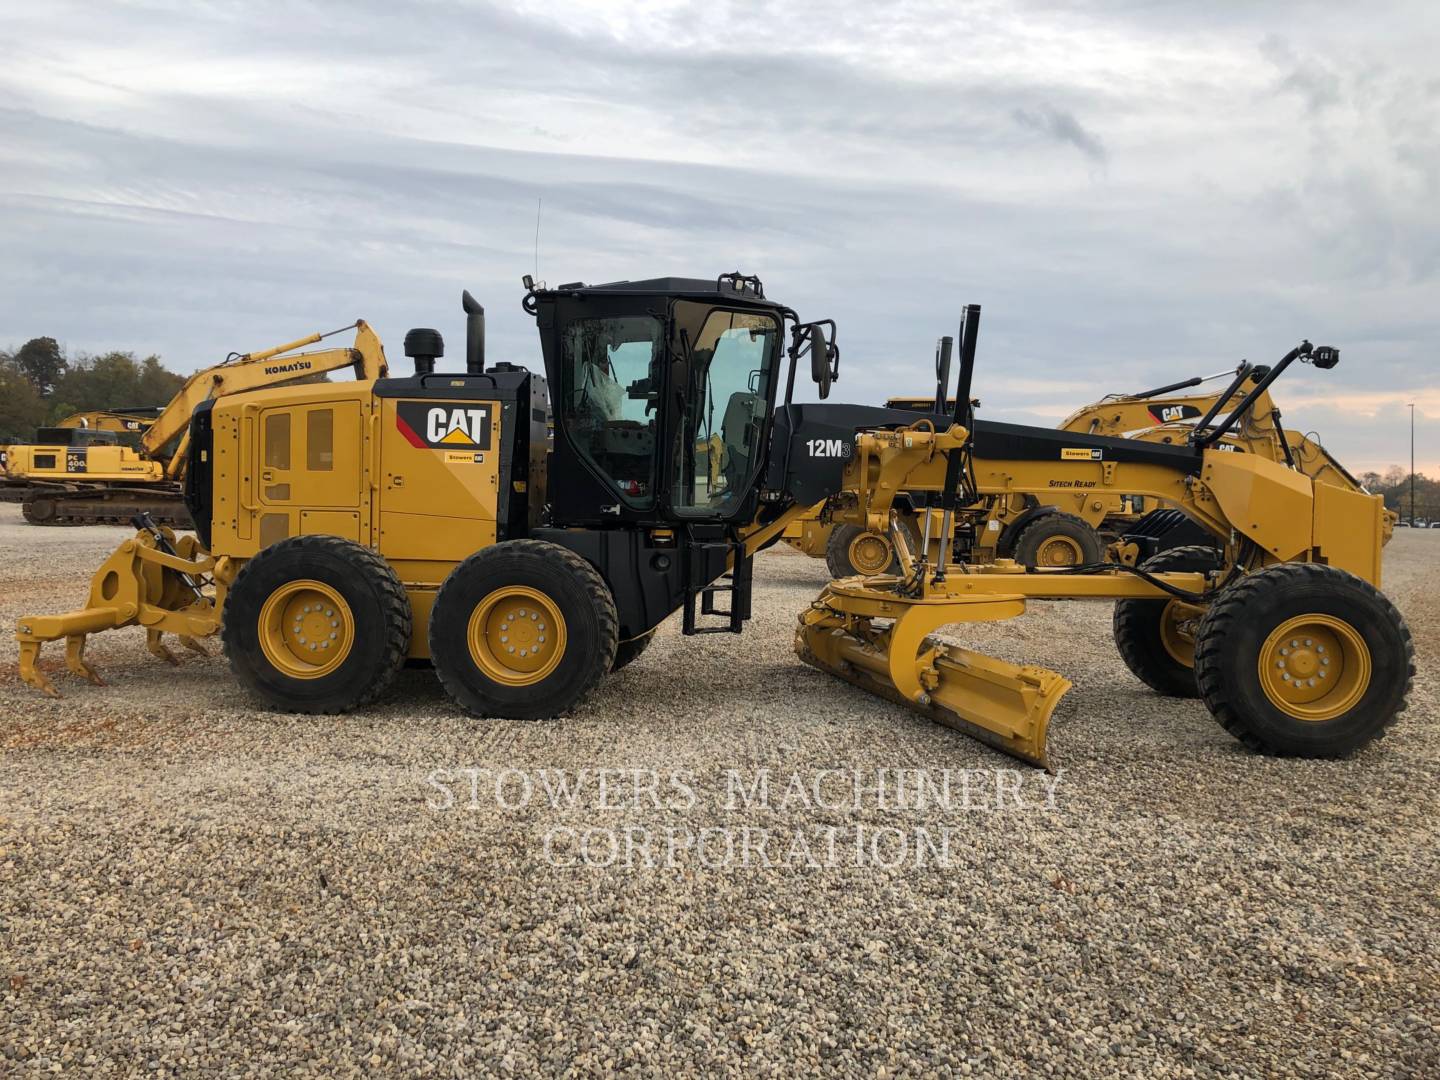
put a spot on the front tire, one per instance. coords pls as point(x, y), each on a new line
point(523, 630)
point(316, 624)
point(1304, 660)
point(855, 552)
point(1156, 638)
point(1058, 539)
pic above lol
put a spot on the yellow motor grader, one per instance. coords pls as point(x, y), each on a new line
point(1068, 527)
point(343, 528)
point(74, 476)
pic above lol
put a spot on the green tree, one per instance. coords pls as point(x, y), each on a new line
point(42, 362)
point(98, 382)
point(21, 409)
point(157, 384)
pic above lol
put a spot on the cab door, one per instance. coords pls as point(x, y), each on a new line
point(309, 470)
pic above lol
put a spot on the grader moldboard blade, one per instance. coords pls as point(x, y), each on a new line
point(864, 631)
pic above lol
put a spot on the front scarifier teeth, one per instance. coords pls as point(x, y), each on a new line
point(1007, 706)
point(148, 580)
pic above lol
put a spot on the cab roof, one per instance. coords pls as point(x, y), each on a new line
point(725, 289)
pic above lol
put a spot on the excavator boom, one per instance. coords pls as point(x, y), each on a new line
point(66, 484)
point(253, 371)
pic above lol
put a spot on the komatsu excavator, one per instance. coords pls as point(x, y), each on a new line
point(344, 528)
point(94, 427)
point(71, 476)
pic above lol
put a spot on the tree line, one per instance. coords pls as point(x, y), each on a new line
point(1394, 485)
point(40, 385)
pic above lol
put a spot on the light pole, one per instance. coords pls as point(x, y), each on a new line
point(1412, 464)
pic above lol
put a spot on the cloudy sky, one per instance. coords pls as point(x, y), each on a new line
point(1136, 192)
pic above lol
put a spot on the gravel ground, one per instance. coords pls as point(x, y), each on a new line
point(189, 882)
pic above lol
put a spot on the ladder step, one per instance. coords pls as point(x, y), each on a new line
point(735, 582)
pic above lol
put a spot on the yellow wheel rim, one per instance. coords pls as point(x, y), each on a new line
point(871, 554)
point(1178, 623)
point(1059, 551)
point(306, 629)
point(1314, 667)
point(516, 636)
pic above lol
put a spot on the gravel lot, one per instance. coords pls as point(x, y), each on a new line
point(190, 882)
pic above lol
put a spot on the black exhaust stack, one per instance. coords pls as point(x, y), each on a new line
point(474, 334)
point(942, 371)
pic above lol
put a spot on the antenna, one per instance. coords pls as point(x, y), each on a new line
point(538, 203)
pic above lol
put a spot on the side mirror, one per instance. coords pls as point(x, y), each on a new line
point(820, 359)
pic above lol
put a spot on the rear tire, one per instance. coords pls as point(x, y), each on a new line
point(1147, 631)
point(316, 624)
point(524, 630)
point(1058, 539)
point(1265, 642)
point(855, 552)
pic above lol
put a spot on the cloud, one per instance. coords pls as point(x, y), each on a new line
point(182, 179)
point(1062, 127)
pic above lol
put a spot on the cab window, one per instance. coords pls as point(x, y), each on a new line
point(718, 454)
point(611, 386)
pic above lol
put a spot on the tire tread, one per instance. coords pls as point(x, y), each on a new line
point(1133, 627)
point(1229, 607)
point(393, 597)
point(597, 592)
point(1043, 524)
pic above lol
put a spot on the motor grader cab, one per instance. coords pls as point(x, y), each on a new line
point(344, 528)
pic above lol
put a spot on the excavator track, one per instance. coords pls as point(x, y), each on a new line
point(99, 504)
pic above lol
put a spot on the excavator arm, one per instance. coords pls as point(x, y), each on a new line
point(252, 371)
